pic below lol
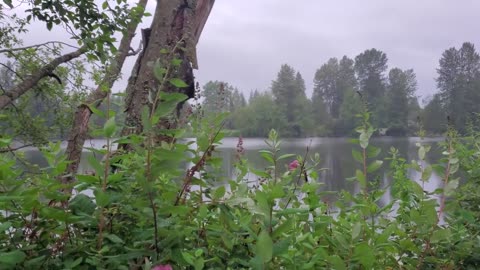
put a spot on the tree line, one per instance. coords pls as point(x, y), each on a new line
point(344, 87)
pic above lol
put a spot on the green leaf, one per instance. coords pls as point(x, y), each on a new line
point(82, 204)
point(454, 160)
point(12, 258)
point(5, 142)
point(8, 3)
point(159, 71)
point(147, 124)
point(101, 197)
point(264, 247)
point(35, 263)
point(188, 258)
point(285, 156)
point(199, 264)
point(96, 165)
point(178, 83)
point(176, 62)
point(114, 238)
point(219, 193)
point(89, 179)
point(374, 166)
point(454, 168)
point(267, 155)
point(277, 192)
point(336, 262)
point(4, 226)
point(286, 226)
point(165, 108)
point(364, 138)
point(357, 228)
point(357, 156)
point(373, 151)
point(451, 187)
point(421, 153)
point(361, 179)
point(427, 173)
point(364, 254)
point(109, 127)
point(440, 235)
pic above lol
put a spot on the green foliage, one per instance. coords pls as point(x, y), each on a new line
point(289, 93)
point(259, 117)
point(434, 116)
point(153, 211)
point(459, 84)
point(401, 89)
point(46, 112)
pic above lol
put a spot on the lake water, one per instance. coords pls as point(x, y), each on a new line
point(335, 153)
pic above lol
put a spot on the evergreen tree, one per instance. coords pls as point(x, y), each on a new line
point(217, 96)
point(401, 88)
point(289, 93)
point(331, 82)
point(237, 100)
point(459, 84)
point(434, 116)
point(352, 106)
point(370, 67)
point(325, 87)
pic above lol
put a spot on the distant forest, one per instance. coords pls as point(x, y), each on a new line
point(344, 87)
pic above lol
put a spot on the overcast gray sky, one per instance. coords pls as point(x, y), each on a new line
point(245, 41)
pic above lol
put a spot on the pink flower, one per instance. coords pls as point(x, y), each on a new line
point(293, 165)
point(162, 267)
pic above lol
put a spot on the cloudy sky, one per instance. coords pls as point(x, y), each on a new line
point(245, 41)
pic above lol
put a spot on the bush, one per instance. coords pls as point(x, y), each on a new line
point(152, 212)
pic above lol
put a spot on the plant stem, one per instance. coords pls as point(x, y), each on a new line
point(106, 170)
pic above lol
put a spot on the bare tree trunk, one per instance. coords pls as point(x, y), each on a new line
point(32, 80)
point(174, 21)
point(78, 133)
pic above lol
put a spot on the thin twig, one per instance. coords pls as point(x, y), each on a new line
point(302, 169)
point(10, 149)
point(200, 163)
point(36, 46)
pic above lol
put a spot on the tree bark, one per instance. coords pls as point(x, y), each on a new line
point(32, 80)
point(79, 131)
point(174, 21)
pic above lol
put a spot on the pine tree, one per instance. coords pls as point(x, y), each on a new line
point(370, 67)
point(289, 93)
point(459, 84)
point(401, 88)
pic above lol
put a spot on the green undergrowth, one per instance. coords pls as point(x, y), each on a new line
point(150, 210)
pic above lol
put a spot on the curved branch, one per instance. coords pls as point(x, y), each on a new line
point(10, 149)
point(32, 80)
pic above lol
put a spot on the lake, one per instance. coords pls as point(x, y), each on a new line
point(335, 153)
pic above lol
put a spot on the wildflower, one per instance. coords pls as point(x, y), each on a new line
point(240, 149)
point(293, 165)
point(162, 267)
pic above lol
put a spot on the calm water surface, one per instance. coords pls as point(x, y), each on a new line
point(335, 154)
